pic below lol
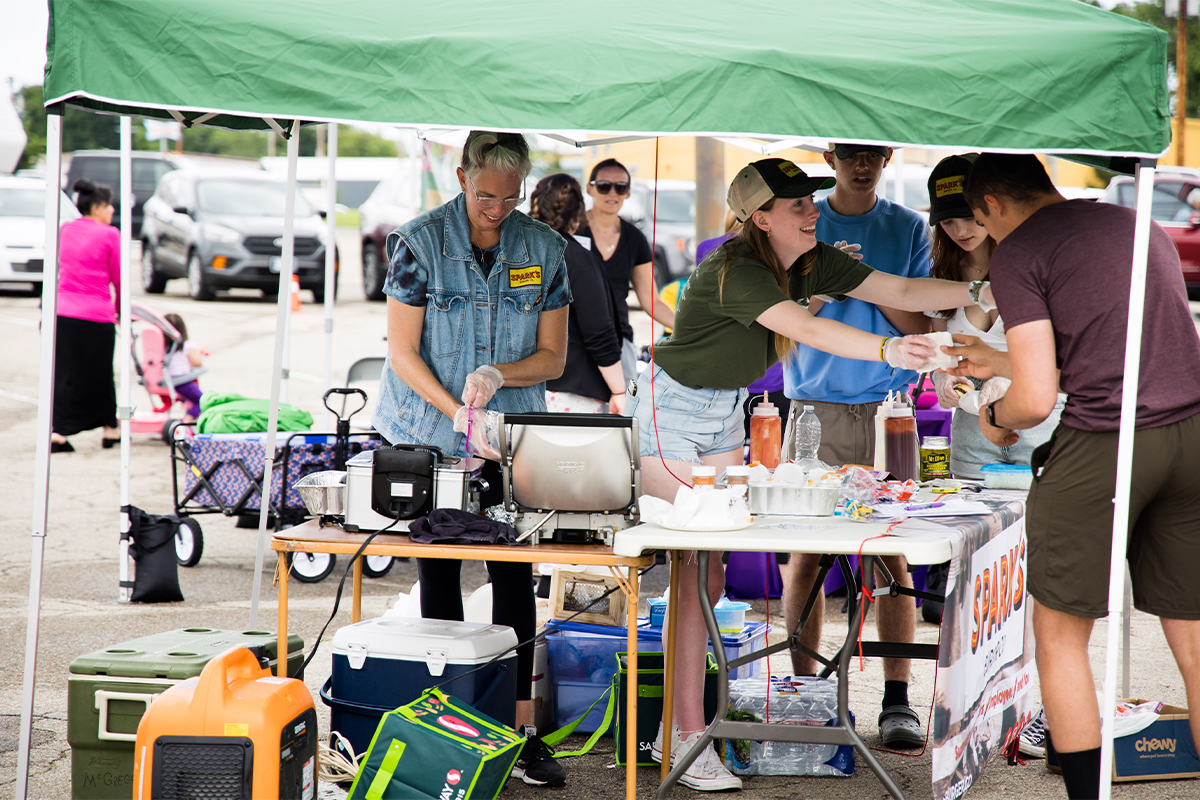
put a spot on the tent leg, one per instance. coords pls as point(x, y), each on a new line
point(330, 261)
point(124, 409)
point(45, 420)
point(283, 306)
point(1129, 391)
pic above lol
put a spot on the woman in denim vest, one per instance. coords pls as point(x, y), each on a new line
point(477, 317)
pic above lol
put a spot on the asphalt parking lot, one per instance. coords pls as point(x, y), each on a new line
point(79, 611)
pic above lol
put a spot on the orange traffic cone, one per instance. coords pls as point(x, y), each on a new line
point(296, 305)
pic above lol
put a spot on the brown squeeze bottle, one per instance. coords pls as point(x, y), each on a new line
point(903, 452)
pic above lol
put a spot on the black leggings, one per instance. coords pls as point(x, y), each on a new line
point(512, 603)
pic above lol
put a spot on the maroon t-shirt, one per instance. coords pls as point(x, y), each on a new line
point(1070, 263)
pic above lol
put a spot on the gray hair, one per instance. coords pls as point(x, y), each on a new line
point(503, 152)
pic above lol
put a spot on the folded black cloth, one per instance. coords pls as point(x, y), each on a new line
point(453, 526)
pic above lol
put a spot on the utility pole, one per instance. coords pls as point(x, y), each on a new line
point(710, 188)
point(1181, 10)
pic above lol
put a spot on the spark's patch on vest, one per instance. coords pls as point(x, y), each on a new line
point(525, 276)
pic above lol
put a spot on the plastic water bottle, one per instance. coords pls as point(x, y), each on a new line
point(808, 434)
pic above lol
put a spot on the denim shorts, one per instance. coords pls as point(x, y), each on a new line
point(690, 422)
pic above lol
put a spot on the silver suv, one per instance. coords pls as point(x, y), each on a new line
point(225, 229)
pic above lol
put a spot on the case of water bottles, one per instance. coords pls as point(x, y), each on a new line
point(794, 701)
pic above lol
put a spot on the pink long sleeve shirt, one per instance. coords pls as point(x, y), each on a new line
point(90, 261)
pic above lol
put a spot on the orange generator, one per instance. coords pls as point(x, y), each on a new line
point(234, 732)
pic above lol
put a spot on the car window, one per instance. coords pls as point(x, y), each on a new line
point(100, 171)
point(1166, 205)
point(674, 205)
point(147, 172)
point(22, 202)
point(246, 198)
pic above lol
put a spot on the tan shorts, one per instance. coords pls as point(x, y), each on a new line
point(1070, 519)
point(847, 432)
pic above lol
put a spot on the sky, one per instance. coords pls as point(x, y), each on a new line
point(23, 41)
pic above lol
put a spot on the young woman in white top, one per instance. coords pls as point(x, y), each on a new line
point(962, 251)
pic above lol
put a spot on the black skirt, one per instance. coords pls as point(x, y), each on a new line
point(85, 396)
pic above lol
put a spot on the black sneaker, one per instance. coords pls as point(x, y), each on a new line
point(536, 765)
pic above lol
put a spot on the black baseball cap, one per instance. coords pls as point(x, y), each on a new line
point(758, 182)
point(843, 150)
point(946, 182)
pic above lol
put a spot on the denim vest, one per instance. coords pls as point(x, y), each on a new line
point(470, 320)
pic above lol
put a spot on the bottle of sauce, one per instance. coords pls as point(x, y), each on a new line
point(935, 458)
point(900, 435)
point(766, 434)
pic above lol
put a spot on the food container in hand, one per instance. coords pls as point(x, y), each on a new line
point(731, 615)
point(324, 492)
point(1006, 476)
point(792, 500)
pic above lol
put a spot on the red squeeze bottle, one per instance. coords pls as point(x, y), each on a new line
point(765, 434)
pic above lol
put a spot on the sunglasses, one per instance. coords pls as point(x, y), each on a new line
point(604, 187)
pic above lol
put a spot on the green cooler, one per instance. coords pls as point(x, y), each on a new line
point(110, 689)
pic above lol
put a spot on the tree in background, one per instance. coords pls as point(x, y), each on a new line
point(86, 130)
point(1152, 14)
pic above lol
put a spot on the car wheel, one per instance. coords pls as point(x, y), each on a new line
point(189, 542)
point(319, 291)
point(198, 287)
point(373, 276)
point(153, 281)
point(311, 567)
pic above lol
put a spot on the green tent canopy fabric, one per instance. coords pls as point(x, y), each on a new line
point(1027, 75)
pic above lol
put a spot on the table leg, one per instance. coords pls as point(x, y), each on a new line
point(281, 655)
point(669, 665)
point(356, 605)
point(631, 736)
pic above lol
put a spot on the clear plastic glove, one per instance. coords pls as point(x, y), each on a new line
point(849, 249)
point(987, 300)
point(481, 386)
point(993, 389)
point(913, 352)
point(947, 397)
point(482, 429)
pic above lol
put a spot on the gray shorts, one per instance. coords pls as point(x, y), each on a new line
point(847, 432)
point(970, 449)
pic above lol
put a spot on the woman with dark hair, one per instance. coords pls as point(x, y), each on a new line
point(742, 308)
point(623, 252)
point(477, 322)
point(89, 249)
point(592, 381)
point(962, 251)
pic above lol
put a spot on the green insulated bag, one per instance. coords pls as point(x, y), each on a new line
point(650, 701)
point(437, 747)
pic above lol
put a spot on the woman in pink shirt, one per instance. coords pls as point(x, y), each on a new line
point(85, 396)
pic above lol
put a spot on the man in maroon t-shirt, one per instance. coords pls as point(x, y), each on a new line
point(1060, 275)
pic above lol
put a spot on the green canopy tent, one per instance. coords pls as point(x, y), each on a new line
point(1052, 76)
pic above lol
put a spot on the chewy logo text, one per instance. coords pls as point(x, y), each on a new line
point(1145, 745)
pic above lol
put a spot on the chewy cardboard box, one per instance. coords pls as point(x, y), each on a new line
point(1162, 751)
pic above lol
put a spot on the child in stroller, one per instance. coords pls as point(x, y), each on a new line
point(183, 359)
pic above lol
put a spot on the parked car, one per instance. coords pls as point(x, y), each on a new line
point(23, 230)
point(222, 229)
point(674, 232)
point(104, 167)
point(1174, 206)
point(394, 202)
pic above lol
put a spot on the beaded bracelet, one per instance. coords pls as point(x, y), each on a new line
point(973, 290)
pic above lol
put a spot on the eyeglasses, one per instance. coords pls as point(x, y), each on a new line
point(604, 187)
point(487, 201)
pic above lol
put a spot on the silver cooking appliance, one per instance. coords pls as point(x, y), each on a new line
point(570, 477)
point(450, 483)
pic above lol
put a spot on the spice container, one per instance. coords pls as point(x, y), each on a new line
point(935, 458)
point(738, 480)
point(703, 477)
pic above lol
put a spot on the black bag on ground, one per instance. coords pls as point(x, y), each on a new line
point(156, 579)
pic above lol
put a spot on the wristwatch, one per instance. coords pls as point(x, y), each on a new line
point(991, 413)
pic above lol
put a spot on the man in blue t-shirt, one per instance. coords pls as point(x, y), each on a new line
point(845, 393)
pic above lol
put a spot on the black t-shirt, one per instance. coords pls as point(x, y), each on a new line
point(592, 336)
point(632, 249)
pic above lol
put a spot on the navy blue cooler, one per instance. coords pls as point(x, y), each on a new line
point(381, 664)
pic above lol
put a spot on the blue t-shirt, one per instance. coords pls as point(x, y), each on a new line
point(894, 239)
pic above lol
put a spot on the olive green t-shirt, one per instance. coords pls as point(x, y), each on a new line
point(716, 342)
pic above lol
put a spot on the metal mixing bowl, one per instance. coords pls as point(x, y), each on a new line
point(324, 492)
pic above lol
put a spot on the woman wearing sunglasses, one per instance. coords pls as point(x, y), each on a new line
point(477, 318)
point(742, 308)
point(623, 252)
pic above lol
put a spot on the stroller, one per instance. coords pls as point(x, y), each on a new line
point(155, 341)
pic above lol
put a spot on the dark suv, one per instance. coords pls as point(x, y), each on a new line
point(104, 167)
point(1175, 205)
point(222, 229)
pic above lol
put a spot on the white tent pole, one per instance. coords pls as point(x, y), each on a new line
point(45, 419)
point(283, 307)
point(330, 261)
point(1129, 390)
point(898, 176)
point(124, 411)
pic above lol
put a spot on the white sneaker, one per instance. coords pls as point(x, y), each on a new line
point(706, 773)
point(1033, 736)
point(656, 746)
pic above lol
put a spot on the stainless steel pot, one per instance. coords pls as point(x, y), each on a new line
point(790, 499)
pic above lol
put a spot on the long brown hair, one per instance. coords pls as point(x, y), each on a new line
point(753, 241)
point(948, 260)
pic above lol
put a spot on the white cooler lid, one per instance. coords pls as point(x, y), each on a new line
point(434, 642)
